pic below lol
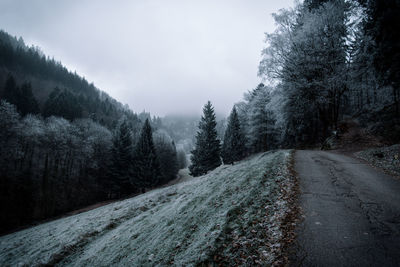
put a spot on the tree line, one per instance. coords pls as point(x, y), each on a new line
point(56, 90)
point(66, 144)
point(50, 165)
point(328, 61)
point(209, 153)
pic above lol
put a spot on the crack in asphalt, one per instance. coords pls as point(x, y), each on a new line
point(351, 213)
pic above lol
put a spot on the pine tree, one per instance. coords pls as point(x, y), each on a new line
point(11, 92)
point(64, 104)
point(233, 148)
point(22, 97)
point(121, 165)
point(147, 166)
point(206, 155)
point(28, 102)
point(167, 156)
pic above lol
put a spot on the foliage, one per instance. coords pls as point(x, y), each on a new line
point(206, 155)
point(49, 166)
point(21, 97)
point(147, 166)
point(122, 158)
point(167, 156)
point(234, 145)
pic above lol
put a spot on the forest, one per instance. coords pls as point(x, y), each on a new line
point(66, 144)
point(329, 64)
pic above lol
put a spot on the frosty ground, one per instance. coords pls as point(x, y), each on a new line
point(233, 215)
point(385, 158)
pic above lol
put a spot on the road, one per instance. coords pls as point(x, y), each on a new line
point(351, 213)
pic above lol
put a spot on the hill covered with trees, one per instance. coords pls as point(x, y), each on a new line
point(66, 144)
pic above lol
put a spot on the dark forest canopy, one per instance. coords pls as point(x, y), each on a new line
point(54, 85)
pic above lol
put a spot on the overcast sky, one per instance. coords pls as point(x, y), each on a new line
point(164, 56)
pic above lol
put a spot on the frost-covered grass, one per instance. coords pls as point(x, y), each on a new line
point(387, 158)
point(231, 215)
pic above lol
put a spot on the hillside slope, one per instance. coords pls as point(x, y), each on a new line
point(57, 90)
point(232, 215)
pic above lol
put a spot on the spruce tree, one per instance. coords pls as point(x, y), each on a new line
point(206, 155)
point(121, 161)
point(147, 166)
point(22, 97)
point(233, 148)
point(28, 101)
point(11, 92)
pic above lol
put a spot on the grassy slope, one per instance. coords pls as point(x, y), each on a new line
point(231, 215)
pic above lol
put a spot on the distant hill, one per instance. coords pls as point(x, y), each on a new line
point(64, 144)
point(53, 85)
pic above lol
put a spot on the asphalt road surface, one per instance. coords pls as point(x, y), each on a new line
point(351, 213)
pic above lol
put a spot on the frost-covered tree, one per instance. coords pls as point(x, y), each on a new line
point(261, 121)
point(234, 145)
point(147, 165)
point(206, 155)
point(311, 67)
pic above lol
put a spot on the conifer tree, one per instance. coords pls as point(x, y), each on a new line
point(206, 155)
point(233, 148)
point(28, 102)
point(147, 166)
point(167, 156)
point(121, 165)
point(22, 97)
point(11, 91)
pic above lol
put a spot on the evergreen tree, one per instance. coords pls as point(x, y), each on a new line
point(147, 166)
point(22, 97)
point(233, 148)
point(11, 91)
point(121, 162)
point(28, 102)
point(167, 156)
point(206, 155)
point(64, 104)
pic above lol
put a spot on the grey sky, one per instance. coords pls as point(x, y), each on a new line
point(164, 56)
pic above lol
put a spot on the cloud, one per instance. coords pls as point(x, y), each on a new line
point(162, 56)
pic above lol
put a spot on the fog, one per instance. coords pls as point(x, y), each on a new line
point(166, 57)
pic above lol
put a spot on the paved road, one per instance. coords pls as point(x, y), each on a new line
point(352, 213)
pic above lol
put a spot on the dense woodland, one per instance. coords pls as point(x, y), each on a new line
point(65, 144)
point(328, 62)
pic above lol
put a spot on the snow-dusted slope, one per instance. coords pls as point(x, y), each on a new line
point(208, 218)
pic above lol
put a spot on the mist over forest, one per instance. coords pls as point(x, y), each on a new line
point(329, 84)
